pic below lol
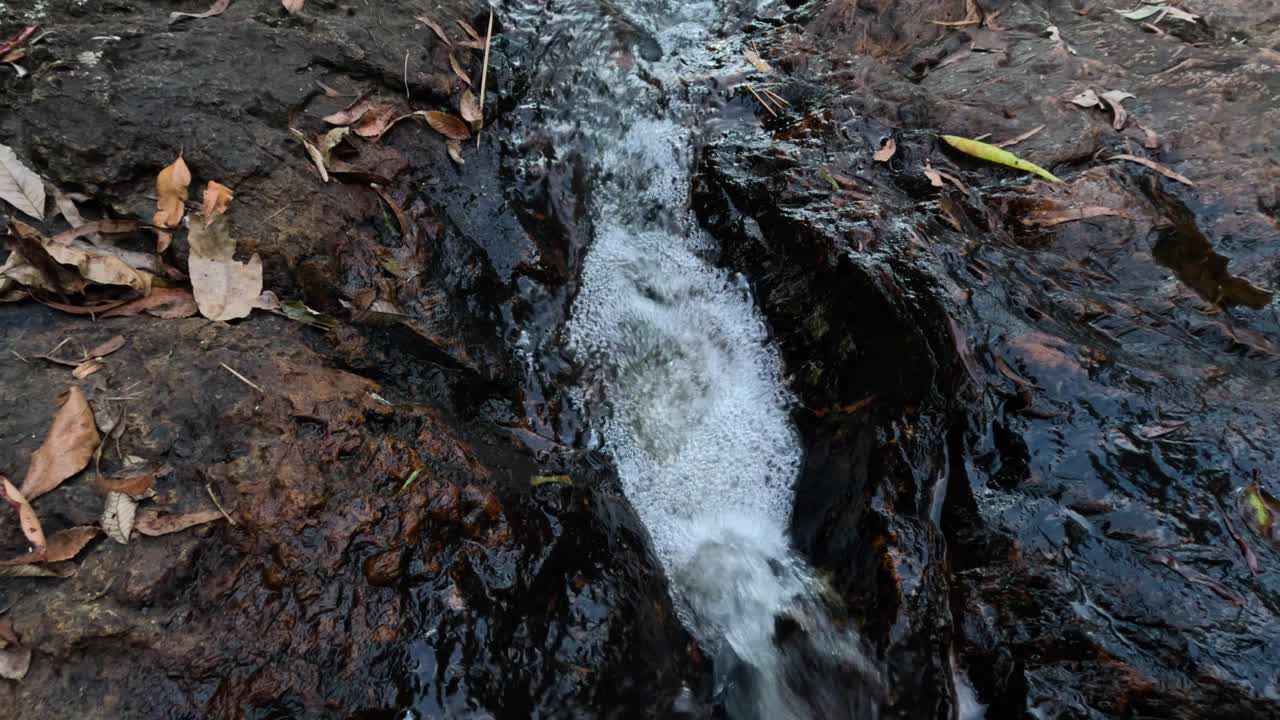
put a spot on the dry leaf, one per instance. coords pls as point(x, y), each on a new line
point(217, 8)
point(470, 31)
point(1113, 99)
point(14, 663)
point(1056, 217)
point(151, 522)
point(439, 31)
point(167, 303)
point(134, 485)
point(67, 206)
point(447, 125)
point(886, 151)
point(331, 140)
point(756, 61)
point(351, 113)
point(1087, 99)
point(66, 450)
point(224, 288)
point(19, 184)
point(8, 635)
point(469, 106)
point(377, 121)
point(107, 347)
point(87, 368)
point(216, 199)
point(171, 194)
point(108, 227)
point(1015, 140)
point(27, 517)
point(62, 545)
point(313, 152)
point(42, 570)
point(118, 515)
point(293, 6)
point(455, 152)
point(1154, 166)
point(457, 70)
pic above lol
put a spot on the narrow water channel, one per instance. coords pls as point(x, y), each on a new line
point(686, 394)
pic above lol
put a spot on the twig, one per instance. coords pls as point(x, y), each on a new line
point(406, 77)
point(775, 97)
point(763, 102)
point(484, 74)
point(242, 378)
point(15, 354)
point(209, 487)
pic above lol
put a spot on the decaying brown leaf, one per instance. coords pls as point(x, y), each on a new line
point(171, 194)
point(217, 8)
point(455, 152)
point(469, 107)
point(107, 347)
point(1114, 98)
point(1154, 166)
point(377, 120)
point(313, 152)
point(439, 31)
point(118, 515)
point(756, 61)
point(470, 31)
point(27, 517)
point(135, 484)
point(167, 303)
point(224, 288)
point(886, 151)
point(67, 448)
point(67, 207)
point(457, 70)
point(61, 546)
point(106, 227)
point(87, 368)
point(1057, 217)
point(350, 113)
point(150, 522)
point(19, 185)
point(216, 199)
point(447, 125)
point(1015, 140)
point(294, 7)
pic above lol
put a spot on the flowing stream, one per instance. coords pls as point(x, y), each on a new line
point(686, 393)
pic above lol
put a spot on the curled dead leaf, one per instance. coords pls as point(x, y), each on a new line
point(118, 515)
point(469, 107)
point(217, 8)
point(455, 152)
point(27, 517)
point(457, 70)
point(106, 227)
point(151, 522)
point(67, 448)
point(87, 368)
point(134, 484)
point(171, 194)
point(350, 113)
point(886, 151)
point(313, 152)
point(377, 120)
point(216, 199)
point(20, 186)
point(167, 303)
point(107, 347)
point(439, 31)
point(446, 124)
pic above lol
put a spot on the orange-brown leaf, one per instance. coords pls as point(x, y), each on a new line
point(167, 303)
point(67, 448)
point(107, 347)
point(351, 113)
point(171, 194)
point(886, 151)
point(109, 227)
point(447, 125)
point(60, 546)
point(216, 199)
point(469, 106)
point(439, 31)
point(133, 485)
point(26, 515)
point(150, 522)
point(457, 70)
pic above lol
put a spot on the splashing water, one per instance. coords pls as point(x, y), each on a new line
point(698, 417)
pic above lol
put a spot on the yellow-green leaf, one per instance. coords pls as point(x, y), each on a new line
point(991, 153)
point(1262, 517)
point(537, 480)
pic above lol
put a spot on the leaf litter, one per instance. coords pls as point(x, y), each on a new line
point(224, 288)
point(67, 449)
point(20, 186)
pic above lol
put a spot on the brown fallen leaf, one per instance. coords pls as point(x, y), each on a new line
point(447, 125)
point(1114, 98)
point(1154, 166)
point(224, 288)
point(216, 199)
point(107, 347)
point(151, 522)
point(136, 484)
point(171, 194)
point(455, 152)
point(67, 207)
point(31, 265)
point(378, 120)
point(106, 227)
point(294, 7)
point(118, 515)
point(350, 113)
point(67, 448)
point(217, 8)
point(331, 140)
point(1024, 136)
point(886, 151)
point(87, 368)
point(470, 31)
point(457, 70)
point(83, 309)
point(1057, 217)
point(20, 186)
point(406, 231)
point(756, 61)
point(167, 303)
point(27, 517)
point(313, 152)
point(62, 545)
point(8, 635)
point(14, 663)
point(439, 31)
point(42, 570)
point(469, 107)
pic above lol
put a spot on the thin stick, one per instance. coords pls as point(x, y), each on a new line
point(242, 378)
point(763, 102)
point(484, 74)
point(214, 498)
point(775, 97)
point(406, 77)
point(15, 354)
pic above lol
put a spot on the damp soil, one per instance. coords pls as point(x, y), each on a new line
point(1023, 443)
